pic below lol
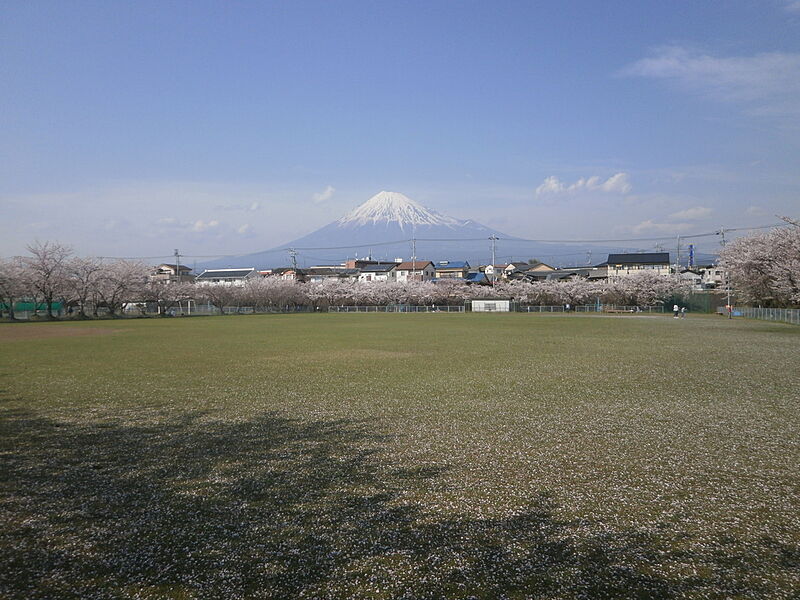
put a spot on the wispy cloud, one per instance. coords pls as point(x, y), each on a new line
point(251, 207)
point(768, 83)
point(696, 212)
point(650, 226)
point(197, 226)
point(792, 7)
point(324, 195)
point(618, 183)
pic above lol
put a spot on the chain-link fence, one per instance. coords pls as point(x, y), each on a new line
point(589, 308)
point(396, 308)
point(783, 315)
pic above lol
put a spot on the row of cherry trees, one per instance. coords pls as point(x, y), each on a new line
point(765, 268)
point(51, 273)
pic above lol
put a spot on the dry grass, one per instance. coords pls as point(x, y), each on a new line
point(426, 456)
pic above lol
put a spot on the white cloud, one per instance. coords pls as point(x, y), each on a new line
point(757, 211)
point(201, 225)
point(252, 206)
point(244, 229)
point(325, 195)
point(768, 82)
point(793, 7)
point(650, 226)
point(697, 212)
point(617, 183)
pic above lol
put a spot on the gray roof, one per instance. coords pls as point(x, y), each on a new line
point(639, 258)
point(225, 273)
point(384, 268)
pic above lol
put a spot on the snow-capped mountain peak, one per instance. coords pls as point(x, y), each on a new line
point(395, 207)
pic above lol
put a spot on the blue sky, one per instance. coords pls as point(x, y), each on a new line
point(132, 128)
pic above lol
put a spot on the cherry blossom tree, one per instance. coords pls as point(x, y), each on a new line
point(219, 295)
point(120, 282)
point(12, 283)
point(765, 268)
point(46, 271)
point(83, 280)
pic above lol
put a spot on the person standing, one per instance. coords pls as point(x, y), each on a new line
point(675, 310)
point(683, 312)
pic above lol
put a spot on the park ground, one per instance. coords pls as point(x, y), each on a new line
point(400, 456)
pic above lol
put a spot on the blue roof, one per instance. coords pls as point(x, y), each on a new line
point(452, 264)
point(476, 277)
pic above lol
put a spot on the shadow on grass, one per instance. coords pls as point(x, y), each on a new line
point(277, 508)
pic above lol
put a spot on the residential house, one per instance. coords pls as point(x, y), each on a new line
point(692, 277)
point(623, 265)
point(452, 269)
point(174, 273)
point(477, 277)
point(358, 263)
point(514, 267)
point(322, 273)
point(417, 270)
point(226, 276)
point(539, 266)
point(713, 277)
point(590, 273)
point(286, 273)
point(379, 272)
point(494, 272)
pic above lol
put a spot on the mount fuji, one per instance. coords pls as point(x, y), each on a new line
point(382, 229)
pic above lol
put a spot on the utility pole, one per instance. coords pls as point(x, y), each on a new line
point(678, 259)
point(413, 258)
point(494, 239)
point(293, 256)
point(727, 277)
point(178, 275)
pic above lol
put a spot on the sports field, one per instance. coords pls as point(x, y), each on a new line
point(400, 456)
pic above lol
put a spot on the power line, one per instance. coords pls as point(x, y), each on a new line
point(456, 240)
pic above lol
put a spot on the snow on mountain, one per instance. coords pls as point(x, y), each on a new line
point(395, 207)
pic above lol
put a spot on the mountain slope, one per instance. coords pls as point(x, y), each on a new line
point(383, 227)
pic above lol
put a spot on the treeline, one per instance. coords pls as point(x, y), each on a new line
point(52, 274)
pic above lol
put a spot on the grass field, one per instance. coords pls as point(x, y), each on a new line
point(400, 456)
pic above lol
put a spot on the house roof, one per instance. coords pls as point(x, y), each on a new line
point(540, 266)
point(384, 268)
point(639, 258)
point(225, 273)
point(476, 277)
point(331, 271)
point(455, 265)
point(416, 265)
